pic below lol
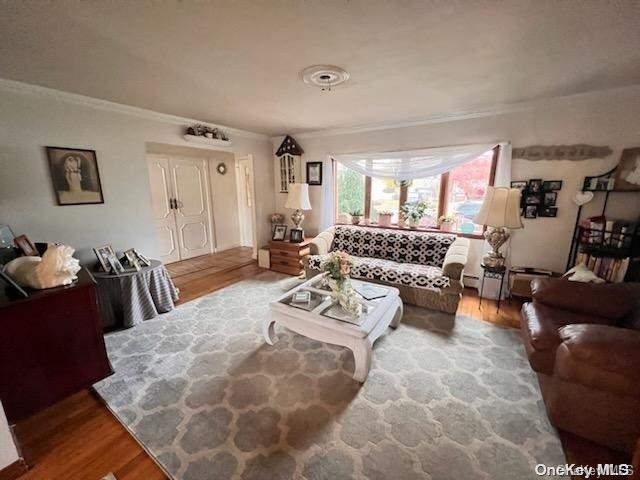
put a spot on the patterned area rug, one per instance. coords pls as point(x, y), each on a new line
point(447, 398)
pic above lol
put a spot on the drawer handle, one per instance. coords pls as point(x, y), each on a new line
point(284, 254)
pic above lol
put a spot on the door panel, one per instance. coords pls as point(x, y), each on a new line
point(192, 216)
point(161, 193)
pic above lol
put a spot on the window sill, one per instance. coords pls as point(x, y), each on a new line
point(478, 236)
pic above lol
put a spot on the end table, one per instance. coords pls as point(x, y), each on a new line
point(492, 272)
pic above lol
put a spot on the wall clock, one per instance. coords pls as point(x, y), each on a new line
point(221, 168)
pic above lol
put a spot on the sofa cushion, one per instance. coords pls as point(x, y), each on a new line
point(423, 248)
point(388, 271)
point(542, 322)
point(601, 357)
point(611, 301)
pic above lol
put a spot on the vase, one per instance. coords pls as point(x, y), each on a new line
point(342, 292)
point(384, 220)
point(413, 223)
point(355, 219)
point(446, 226)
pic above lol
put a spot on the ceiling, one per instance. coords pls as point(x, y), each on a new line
point(237, 62)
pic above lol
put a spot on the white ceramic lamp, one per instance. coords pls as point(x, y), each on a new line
point(298, 200)
point(500, 210)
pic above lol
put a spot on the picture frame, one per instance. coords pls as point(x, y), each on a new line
point(531, 211)
point(532, 199)
point(296, 235)
point(25, 245)
point(549, 199)
point(519, 184)
point(535, 185)
point(75, 176)
point(13, 285)
point(108, 259)
point(314, 173)
point(548, 212)
point(627, 173)
point(141, 258)
point(279, 233)
point(551, 185)
point(132, 259)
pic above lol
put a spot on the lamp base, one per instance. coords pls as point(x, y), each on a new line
point(496, 237)
point(297, 217)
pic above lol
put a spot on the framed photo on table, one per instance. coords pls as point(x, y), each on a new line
point(26, 246)
point(279, 233)
point(296, 235)
point(108, 259)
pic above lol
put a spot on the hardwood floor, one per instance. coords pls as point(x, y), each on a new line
point(79, 438)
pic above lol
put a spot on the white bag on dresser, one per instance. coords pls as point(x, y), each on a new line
point(55, 268)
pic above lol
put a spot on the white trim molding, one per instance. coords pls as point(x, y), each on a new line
point(462, 114)
point(23, 88)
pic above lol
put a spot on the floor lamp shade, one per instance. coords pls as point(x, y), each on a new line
point(298, 198)
point(500, 209)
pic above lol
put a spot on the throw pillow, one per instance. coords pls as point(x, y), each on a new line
point(580, 273)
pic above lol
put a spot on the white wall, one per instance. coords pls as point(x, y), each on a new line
point(607, 118)
point(8, 451)
point(30, 121)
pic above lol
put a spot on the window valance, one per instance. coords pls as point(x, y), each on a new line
point(411, 164)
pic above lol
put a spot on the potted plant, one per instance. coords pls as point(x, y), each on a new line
point(384, 218)
point(446, 223)
point(356, 216)
point(413, 213)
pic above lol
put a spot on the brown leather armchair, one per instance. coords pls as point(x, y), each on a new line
point(583, 340)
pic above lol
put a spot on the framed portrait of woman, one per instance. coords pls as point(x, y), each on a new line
point(75, 176)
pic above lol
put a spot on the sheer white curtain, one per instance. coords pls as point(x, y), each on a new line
point(503, 166)
point(328, 195)
point(411, 164)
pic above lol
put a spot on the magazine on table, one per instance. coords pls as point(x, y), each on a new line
point(371, 292)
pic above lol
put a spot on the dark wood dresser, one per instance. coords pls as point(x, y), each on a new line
point(51, 346)
point(286, 257)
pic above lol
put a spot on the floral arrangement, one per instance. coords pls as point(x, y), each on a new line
point(445, 219)
point(276, 218)
point(204, 131)
point(337, 268)
point(413, 212)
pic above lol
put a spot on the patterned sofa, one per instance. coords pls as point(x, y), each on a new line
point(426, 267)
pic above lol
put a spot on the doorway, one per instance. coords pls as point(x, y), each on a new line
point(244, 187)
point(180, 205)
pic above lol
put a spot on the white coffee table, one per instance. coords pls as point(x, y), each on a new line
point(313, 320)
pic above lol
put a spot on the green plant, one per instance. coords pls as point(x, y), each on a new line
point(356, 213)
point(413, 212)
point(351, 191)
point(385, 212)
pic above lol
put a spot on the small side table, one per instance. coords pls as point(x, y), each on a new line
point(130, 298)
point(492, 272)
point(286, 257)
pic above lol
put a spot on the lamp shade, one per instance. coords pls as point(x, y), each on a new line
point(298, 198)
point(501, 208)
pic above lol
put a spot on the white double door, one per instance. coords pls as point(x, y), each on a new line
point(180, 200)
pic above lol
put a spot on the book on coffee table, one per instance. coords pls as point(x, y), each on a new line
point(371, 292)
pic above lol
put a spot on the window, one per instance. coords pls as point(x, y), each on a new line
point(350, 190)
point(457, 193)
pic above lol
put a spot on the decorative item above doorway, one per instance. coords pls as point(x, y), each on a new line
point(206, 135)
point(561, 152)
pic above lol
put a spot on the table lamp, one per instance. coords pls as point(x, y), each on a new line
point(298, 200)
point(500, 210)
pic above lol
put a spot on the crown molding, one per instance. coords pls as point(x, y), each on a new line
point(461, 114)
point(23, 88)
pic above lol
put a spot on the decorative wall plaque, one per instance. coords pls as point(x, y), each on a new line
point(561, 152)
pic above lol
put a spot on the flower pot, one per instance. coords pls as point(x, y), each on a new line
point(446, 226)
point(413, 223)
point(355, 219)
point(384, 219)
